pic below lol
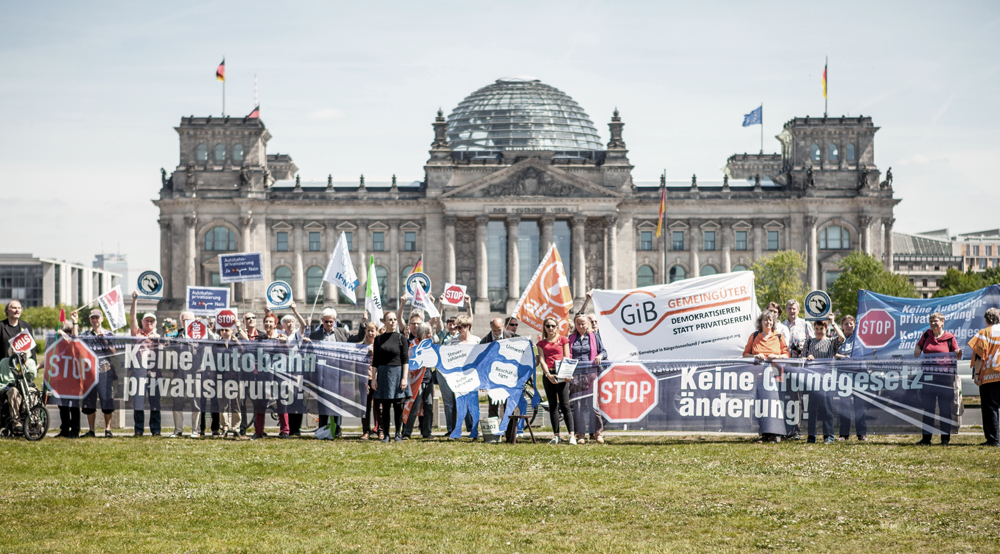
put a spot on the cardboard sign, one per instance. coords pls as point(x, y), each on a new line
point(197, 330)
point(566, 368)
point(241, 268)
point(453, 295)
point(279, 295)
point(817, 305)
point(226, 318)
point(149, 286)
point(207, 300)
point(417, 279)
point(22, 342)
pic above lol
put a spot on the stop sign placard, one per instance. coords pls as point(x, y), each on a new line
point(70, 368)
point(876, 328)
point(197, 329)
point(22, 342)
point(453, 295)
point(225, 318)
point(626, 392)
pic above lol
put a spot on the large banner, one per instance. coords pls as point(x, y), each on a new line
point(705, 317)
point(179, 374)
point(891, 326)
point(826, 397)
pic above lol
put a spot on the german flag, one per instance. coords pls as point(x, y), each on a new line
point(663, 209)
point(220, 73)
point(824, 80)
point(255, 114)
point(418, 267)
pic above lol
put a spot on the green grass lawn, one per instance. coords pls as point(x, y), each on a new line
point(634, 494)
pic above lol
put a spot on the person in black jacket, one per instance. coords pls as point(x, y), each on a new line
point(497, 332)
point(327, 331)
point(390, 359)
point(13, 326)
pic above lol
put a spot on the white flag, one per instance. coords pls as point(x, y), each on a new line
point(423, 302)
point(373, 301)
point(340, 270)
point(114, 307)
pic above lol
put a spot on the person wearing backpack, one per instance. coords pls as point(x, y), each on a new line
point(941, 392)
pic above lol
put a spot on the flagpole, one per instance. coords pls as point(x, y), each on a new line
point(663, 230)
point(826, 85)
point(762, 127)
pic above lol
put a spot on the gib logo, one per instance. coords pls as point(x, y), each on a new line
point(637, 312)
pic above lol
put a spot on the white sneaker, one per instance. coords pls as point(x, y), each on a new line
point(572, 439)
point(175, 436)
point(555, 440)
point(194, 435)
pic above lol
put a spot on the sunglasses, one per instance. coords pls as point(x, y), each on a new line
point(249, 318)
point(550, 326)
point(512, 325)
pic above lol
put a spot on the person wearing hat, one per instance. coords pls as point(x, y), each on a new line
point(104, 391)
point(146, 330)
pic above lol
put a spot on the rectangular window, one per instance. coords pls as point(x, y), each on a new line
point(772, 240)
point(282, 241)
point(831, 277)
point(709, 240)
point(989, 249)
point(350, 240)
point(410, 241)
point(741, 240)
point(378, 241)
point(982, 263)
point(646, 240)
point(678, 240)
point(214, 279)
point(313, 241)
point(975, 250)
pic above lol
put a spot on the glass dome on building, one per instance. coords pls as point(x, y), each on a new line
point(521, 113)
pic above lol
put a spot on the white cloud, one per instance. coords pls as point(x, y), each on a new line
point(920, 159)
point(326, 113)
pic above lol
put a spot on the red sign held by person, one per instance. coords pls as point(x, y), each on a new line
point(22, 342)
point(225, 318)
point(453, 295)
point(197, 330)
point(626, 392)
point(876, 328)
point(70, 369)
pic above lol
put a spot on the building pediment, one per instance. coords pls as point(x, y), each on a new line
point(531, 178)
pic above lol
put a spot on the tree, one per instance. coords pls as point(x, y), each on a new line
point(956, 282)
point(778, 277)
point(864, 271)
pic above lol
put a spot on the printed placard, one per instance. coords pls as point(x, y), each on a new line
point(241, 268)
point(453, 295)
point(149, 286)
point(279, 295)
point(207, 300)
point(566, 368)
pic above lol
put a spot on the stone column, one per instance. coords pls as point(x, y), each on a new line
point(166, 243)
point(758, 241)
point(727, 241)
point(611, 251)
point(298, 271)
point(192, 250)
point(547, 221)
point(579, 222)
point(865, 237)
point(329, 289)
point(482, 279)
point(360, 240)
point(812, 267)
point(513, 262)
point(695, 236)
point(887, 244)
point(394, 284)
point(246, 289)
point(450, 268)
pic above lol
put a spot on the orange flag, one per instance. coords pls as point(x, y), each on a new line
point(547, 295)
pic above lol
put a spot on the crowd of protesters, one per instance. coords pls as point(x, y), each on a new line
point(391, 342)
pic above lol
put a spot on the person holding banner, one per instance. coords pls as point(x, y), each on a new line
point(107, 377)
point(232, 409)
point(148, 331)
point(390, 358)
point(942, 392)
point(270, 334)
point(822, 347)
point(766, 344)
point(586, 346)
point(69, 410)
point(424, 399)
point(328, 331)
point(371, 331)
point(853, 404)
point(463, 335)
point(986, 374)
point(186, 318)
point(555, 348)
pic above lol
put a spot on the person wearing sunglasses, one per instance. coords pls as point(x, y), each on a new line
point(555, 347)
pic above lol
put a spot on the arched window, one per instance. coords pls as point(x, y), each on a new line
point(283, 273)
point(851, 156)
point(814, 153)
point(835, 237)
point(314, 283)
point(677, 273)
point(834, 153)
point(238, 153)
point(220, 152)
point(740, 267)
point(382, 278)
point(220, 239)
point(202, 153)
point(402, 279)
point(645, 276)
point(709, 270)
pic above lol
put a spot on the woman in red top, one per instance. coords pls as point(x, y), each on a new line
point(940, 393)
point(555, 347)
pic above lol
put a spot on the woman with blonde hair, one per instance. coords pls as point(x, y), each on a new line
point(554, 348)
point(586, 346)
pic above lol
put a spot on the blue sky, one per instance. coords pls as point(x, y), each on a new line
point(91, 91)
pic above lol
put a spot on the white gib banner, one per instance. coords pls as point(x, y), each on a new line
point(113, 305)
point(704, 317)
point(423, 302)
point(340, 270)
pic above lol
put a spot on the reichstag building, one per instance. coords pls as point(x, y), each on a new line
point(516, 166)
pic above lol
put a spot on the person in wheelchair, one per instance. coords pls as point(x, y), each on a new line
point(10, 397)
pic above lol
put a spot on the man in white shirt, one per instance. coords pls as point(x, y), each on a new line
point(799, 329)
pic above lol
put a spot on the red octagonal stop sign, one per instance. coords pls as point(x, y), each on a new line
point(70, 369)
point(876, 328)
point(626, 392)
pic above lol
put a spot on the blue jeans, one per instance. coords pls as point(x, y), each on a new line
point(140, 421)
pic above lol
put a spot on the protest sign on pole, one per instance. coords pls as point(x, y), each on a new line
point(340, 270)
point(241, 268)
point(226, 318)
point(149, 286)
point(547, 295)
point(704, 317)
point(453, 295)
point(373, 300)
point(279, 295)
point(114, 307)
point(207, 300)
point(423, 302)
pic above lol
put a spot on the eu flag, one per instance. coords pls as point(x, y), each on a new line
point(754, 118)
